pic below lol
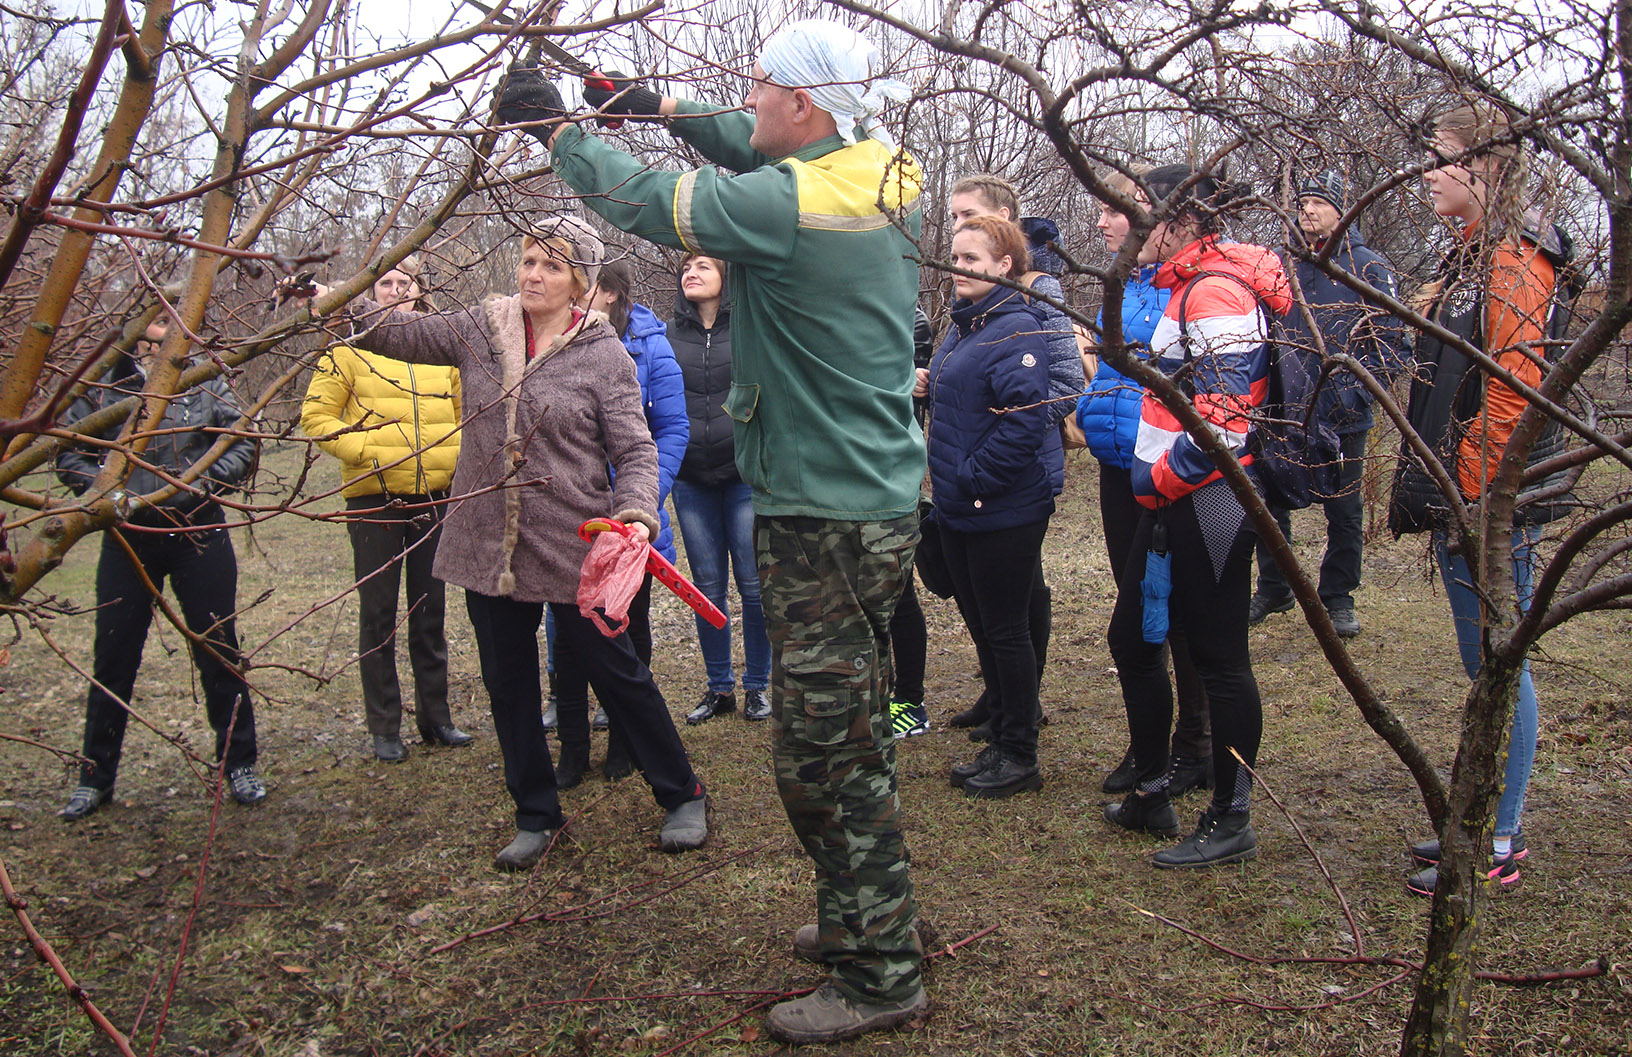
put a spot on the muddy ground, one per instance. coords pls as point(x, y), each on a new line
point(317, 923)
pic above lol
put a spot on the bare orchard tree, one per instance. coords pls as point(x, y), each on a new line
point(1267, 90)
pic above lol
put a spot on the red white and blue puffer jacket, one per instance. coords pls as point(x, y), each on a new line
point(1227, 336)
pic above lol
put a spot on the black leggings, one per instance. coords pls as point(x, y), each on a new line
point(909, 646)
point(1119, 514)
point(1214, 615)
point(995, 574)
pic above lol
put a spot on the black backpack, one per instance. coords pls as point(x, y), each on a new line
point(1296, 460)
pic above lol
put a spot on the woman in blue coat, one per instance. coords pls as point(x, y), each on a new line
point(663, 392)
point(1108, 420)
point(993, 457)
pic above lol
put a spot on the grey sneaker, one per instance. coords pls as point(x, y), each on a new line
point(83, 801)
point(685, 828)
point(245, 785)
point(1344, 621)
point(524, 852)
point(828, 1015)
point(1262, 606)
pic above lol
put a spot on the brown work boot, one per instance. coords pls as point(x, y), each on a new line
point(828, 1015)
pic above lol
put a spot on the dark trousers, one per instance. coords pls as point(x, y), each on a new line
point(1213, 613)
point(388, 542)
point(1345, 527)
point(507, 645)
point(909, 646)
point(203, 575)
point(572, 680)
point(995, 576)
point(1119, 513)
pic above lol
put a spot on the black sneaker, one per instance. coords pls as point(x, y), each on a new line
point(962, 772)
point(1218, 839)
point(756, 705)
point(1144, 814)
point(1185, 773)
point(1427, 852)
point(1503, 872)
point(908, 720)
point(1344, 621)
point(1122, 778)
point(83, 801)
point(1003, 779)
point(712, 704)
point(245, 785)
point(1262, 606)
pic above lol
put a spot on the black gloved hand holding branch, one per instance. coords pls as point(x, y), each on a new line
point(616, 93)
point(527, 96)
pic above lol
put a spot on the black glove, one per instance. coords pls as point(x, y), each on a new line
point(615, 93)
point(528, 96)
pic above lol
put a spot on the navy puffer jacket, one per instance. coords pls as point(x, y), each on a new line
point(1348, 326)
point(992, 471)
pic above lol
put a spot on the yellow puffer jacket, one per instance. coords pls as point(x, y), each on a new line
point(410, 417)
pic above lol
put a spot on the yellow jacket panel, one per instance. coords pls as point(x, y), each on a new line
point(393, 426)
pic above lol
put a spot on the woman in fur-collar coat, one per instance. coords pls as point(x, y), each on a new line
point(550, 401)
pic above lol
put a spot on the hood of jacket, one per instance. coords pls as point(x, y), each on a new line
point(685, 313)
point(642, 325)
point(1259, 267)
point(1040, 231)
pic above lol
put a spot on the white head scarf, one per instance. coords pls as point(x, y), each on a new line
point(834, 64)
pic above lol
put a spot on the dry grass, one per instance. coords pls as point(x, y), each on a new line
point(322, 908)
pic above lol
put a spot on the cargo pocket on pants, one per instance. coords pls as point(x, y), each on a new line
point(828, 698)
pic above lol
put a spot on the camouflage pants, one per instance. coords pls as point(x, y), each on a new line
point(828, 589)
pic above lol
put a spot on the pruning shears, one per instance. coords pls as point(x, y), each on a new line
point(661, 569)
point(561, 56)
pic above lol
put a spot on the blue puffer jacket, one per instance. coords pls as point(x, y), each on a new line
point(663, 392)
point(1109, 411)
point(992, 471)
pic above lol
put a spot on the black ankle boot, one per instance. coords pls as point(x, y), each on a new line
point(1218, 839)
point(1121, 779)
point(1003, 779)
point(975, 714)
point(1144, 814)
point(570, 769)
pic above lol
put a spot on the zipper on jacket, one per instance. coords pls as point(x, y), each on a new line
point(419, 443)
point(708, 420)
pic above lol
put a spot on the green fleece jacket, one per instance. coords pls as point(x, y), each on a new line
point(822, 299)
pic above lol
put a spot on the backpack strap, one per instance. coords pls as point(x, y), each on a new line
point(1184, 335)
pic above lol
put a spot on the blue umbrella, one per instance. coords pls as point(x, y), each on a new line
point(1157, 585)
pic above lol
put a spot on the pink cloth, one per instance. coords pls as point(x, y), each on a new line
point(614, 569)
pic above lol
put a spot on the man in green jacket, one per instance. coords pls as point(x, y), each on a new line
point(815, 215)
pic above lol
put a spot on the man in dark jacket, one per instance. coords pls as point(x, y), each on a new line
point(1347, 326)
point(179, 537)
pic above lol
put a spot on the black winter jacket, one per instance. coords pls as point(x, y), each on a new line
point(1348, 327)
point(704, 355)
point(1447, 390)
point(184, 435)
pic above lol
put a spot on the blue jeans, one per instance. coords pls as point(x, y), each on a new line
point(1465, 609)
point(717, 526)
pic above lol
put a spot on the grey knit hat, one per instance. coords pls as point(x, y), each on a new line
point(587, 248)
point(1330, 186)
